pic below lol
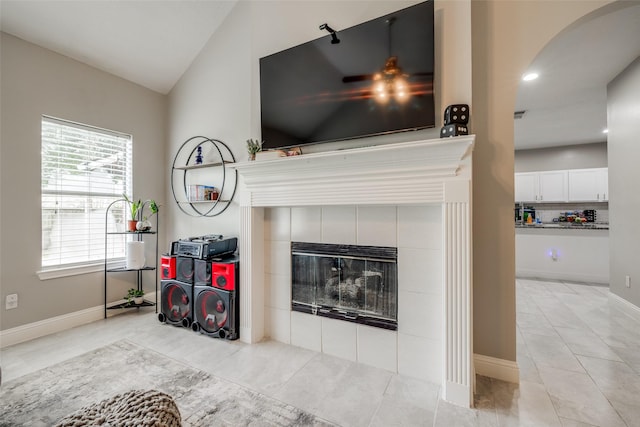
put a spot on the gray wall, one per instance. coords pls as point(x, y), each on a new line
point(36, 81)
point(581, 156)
point(623, 105)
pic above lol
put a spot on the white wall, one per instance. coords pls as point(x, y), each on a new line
point(35, 81)
point(623, 121)
point(416, 348)
point(213, 99)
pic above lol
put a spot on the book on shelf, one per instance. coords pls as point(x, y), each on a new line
point(199, 193)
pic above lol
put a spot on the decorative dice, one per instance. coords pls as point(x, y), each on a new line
point(453, 130)
point(457, 113)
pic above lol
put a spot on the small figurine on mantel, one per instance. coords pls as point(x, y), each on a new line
point(199, 155)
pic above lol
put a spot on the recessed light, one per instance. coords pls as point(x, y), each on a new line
point(530, 76)
point(605, 131)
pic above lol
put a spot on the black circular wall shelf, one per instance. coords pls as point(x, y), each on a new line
point(201, 183)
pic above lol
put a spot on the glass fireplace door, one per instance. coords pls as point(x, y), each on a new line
point(356, 285)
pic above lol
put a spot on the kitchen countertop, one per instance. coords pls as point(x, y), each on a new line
point(567, 225)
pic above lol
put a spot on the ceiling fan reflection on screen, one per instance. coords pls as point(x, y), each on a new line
point(390, 82)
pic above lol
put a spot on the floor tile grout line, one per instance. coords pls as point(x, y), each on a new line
point(582, 365)
point(555, 410)
point(384, 393)
point(248, 386)
point(272, 395)
point(601, 392)
point(435, 413)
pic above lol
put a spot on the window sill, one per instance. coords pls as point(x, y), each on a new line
point(56, 273)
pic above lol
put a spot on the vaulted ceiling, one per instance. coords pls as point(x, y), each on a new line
point(152, 43)
point(148, 42)
point(567, 104)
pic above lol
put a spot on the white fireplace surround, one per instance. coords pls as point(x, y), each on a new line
point(427, 172)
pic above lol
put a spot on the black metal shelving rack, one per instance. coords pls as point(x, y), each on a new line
point(139, 236)
point(226, 183)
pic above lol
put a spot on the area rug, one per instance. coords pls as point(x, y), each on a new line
point(44, 397)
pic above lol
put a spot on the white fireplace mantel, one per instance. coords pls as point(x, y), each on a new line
point(405, 173)
point(410, 173)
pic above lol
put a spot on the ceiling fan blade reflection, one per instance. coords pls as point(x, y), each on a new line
point(423, 74)
point(357, 78)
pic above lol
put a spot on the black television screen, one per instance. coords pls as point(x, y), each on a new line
point(378, 79)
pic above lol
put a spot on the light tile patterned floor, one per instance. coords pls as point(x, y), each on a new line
point(578, 353)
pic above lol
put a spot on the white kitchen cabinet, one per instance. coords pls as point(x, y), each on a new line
point(589, 185)
point(553, 186)
point(526, 187)
point(548, 186)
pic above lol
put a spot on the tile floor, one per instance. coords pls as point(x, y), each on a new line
point(579, 358)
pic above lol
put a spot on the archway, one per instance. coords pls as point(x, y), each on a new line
point(561, 147)
point(506, 37)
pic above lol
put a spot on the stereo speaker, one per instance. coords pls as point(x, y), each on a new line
point(176, 306)
point(167, 267)
point(225, 275)
point(184, 269)
point(202, 272)
point(219, 274)
point(457, 113)
point(216, 312)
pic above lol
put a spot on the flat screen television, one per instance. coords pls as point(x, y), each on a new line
point(378, 79)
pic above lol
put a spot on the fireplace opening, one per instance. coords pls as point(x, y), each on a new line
point(347, 282)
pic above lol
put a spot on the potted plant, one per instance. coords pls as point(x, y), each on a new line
point(145, 224)
point(253, 146)
point(136, 207)
point(135, 296)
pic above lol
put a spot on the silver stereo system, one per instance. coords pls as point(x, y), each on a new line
point(205, 247)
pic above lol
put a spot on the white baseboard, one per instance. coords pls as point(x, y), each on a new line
point(570, 277)
point(50, 326)
point(501, 369)
point(629, 308)
point(56, 324)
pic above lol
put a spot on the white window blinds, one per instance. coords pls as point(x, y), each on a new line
point(84, 169)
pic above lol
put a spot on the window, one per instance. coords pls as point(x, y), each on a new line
point(84, 169)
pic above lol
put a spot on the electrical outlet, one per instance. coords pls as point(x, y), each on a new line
point(11, 302)
point(627, 281)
